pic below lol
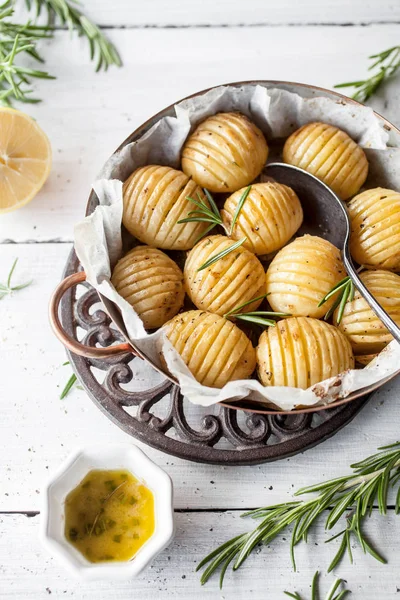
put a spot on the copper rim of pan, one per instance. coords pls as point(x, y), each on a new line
point(248, 406)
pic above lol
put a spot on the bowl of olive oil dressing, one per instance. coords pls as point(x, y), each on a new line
point(108, 512)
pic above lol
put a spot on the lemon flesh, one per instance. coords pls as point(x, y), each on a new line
point(25, 159)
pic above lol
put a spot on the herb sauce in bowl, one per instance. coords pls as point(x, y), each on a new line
point(109, 516)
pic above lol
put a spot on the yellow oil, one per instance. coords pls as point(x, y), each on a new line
point(109, 516)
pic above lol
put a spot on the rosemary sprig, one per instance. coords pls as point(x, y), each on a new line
point(345, 290)
point(259, 317)
point(205, 214)
point(16, 40)
point(69, 385)
point(357, 492)
point(19, 40)
point(69, 15)
point(314, 591)
point(222, 254)
point(386, 63)
point(7, 288)
point(239, 207)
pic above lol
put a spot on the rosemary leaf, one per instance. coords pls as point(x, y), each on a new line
point(222, 254)
point(239, 207)
point(69, 385)
point(257, 320)
point(238, 308)
point(11, 273)
point(212, 203)
point(314, 586)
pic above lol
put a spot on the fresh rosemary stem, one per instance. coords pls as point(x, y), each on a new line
point(7, 288)
point(355, 494)
point(387, 63)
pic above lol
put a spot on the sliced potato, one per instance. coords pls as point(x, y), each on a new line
point(299, 352)
point(269, 217)
point(330, 154)
point(301, 274)
point(225, 152)
point(215, 350)
point(366, 333)
point(375, 228)
point(229, 282)
point(155, 198)
point(152, 283)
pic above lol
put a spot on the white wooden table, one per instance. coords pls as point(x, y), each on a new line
point(169, 50)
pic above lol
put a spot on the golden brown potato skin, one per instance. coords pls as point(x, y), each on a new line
point(365, 359)
point(299, 352)
point(366, 333)
point(269, 217)
point(375, 228)
point(330, 154)
point(301, 274)
point(214, 349)
point(229, 282)
point(152, 283)
point(155, 198)
point(225, 152)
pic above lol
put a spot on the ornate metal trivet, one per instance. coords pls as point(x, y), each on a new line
point(159, 416)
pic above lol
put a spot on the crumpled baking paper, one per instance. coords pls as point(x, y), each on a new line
point(277, 112)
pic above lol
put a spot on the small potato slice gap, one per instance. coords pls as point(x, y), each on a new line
point(300, 352)
point(364, 330)
point(375, 228)
point(225, 152)
point(269, 217)
point(152, 283)
point(330, 154)
point(155, 199)
point(301, 274)
point(232, 280)
point(215, 350)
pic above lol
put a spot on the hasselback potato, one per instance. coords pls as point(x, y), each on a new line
point(299, 352)
point(215, 350)
point(375, 228)
point(229, 282)
point(155, 198)
point(152, 283)
point(330, 154)
point(301, 274)
point(225, 152)
point(269, 217)
point(366, 333)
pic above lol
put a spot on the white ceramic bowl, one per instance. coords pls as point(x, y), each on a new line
point(68, 476)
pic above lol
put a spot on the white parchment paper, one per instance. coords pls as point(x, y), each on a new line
point(98, 242)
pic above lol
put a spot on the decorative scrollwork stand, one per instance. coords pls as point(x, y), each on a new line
point(159, 416)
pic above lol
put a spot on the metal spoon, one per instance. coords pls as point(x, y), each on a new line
point(326, 215)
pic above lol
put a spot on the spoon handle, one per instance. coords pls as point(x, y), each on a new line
point(366, 294)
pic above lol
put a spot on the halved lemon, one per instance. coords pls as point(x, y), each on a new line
point(25, 159)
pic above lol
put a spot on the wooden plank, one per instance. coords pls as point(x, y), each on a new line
point(87, 115)
point(38, 430)
point(28, 572)
point(183, 13)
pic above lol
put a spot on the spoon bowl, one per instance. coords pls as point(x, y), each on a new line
point(325, 215)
